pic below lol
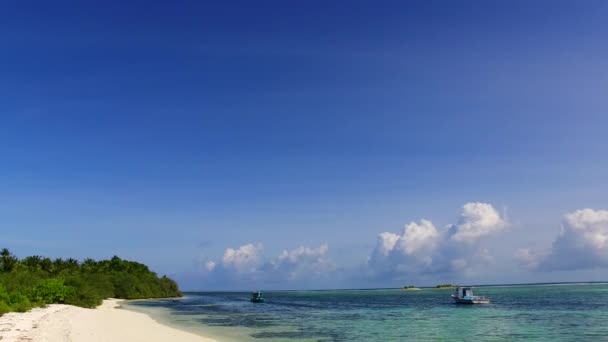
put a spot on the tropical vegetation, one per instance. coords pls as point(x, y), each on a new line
point(409, 287)
point(37, 281)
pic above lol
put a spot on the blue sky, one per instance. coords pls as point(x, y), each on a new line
point(169, 133)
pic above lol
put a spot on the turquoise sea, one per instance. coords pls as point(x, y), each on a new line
point(572, 312)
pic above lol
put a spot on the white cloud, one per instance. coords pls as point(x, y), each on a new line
point(303, 262)
point(420, 253)
point(247, 263)
point(210, 265)
point(295, 256)
point(385, 244)
point(403, 253)
point(423, 249)
point(419, 238)
point(528, 257)
point(476, 220)
point(245, 259)
point(589, 228)
point(581, 244)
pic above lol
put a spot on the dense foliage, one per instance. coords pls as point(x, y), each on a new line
point(37, 281)
point(409, 287)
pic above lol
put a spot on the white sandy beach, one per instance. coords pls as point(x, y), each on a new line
point(106, 323)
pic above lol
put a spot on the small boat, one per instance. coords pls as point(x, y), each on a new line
point(464, 295)
point(256, 297)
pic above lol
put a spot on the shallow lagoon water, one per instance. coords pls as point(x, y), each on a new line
point(571, 312)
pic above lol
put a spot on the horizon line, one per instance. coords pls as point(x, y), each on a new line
point(420, 287)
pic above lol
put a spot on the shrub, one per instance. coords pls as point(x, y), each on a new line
point(19, 302)
point(51, 291)
point(36, 281)
point(85, 297)
point(90, 289)
point(4, 308)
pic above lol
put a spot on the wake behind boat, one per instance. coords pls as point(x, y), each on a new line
point(464, 295)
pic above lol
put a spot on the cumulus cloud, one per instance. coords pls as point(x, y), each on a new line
point(245, 259)
point(528, 257)
point(210, 265)
point(419, 238)
point(385, 244)
point(202, 261)
point(247, 263)
point(476, 220)
point(581, 244)
point(421, 248)
point(413, 247)
point(303, 262)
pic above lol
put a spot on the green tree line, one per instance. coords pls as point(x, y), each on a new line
point(37, 281)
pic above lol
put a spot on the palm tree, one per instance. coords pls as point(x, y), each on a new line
point(7, 260)
point(32, 262)
point(58, 265)
point(89, 265)
point(46, 264)
point(71, 264)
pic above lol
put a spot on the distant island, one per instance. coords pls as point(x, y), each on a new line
point(37, 281)
point(410, 287)
point(445, 286)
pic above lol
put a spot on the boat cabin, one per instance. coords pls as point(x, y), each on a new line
point(464, 295)
point(462, 292)
point(256, 297)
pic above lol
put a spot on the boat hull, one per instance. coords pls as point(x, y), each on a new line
point(459, 300)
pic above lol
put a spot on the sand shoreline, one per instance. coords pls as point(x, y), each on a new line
point(62, 323)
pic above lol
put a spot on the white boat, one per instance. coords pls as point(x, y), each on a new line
point(464, 295)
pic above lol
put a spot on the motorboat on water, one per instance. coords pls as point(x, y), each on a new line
point(257, 297)
point(464, 295)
